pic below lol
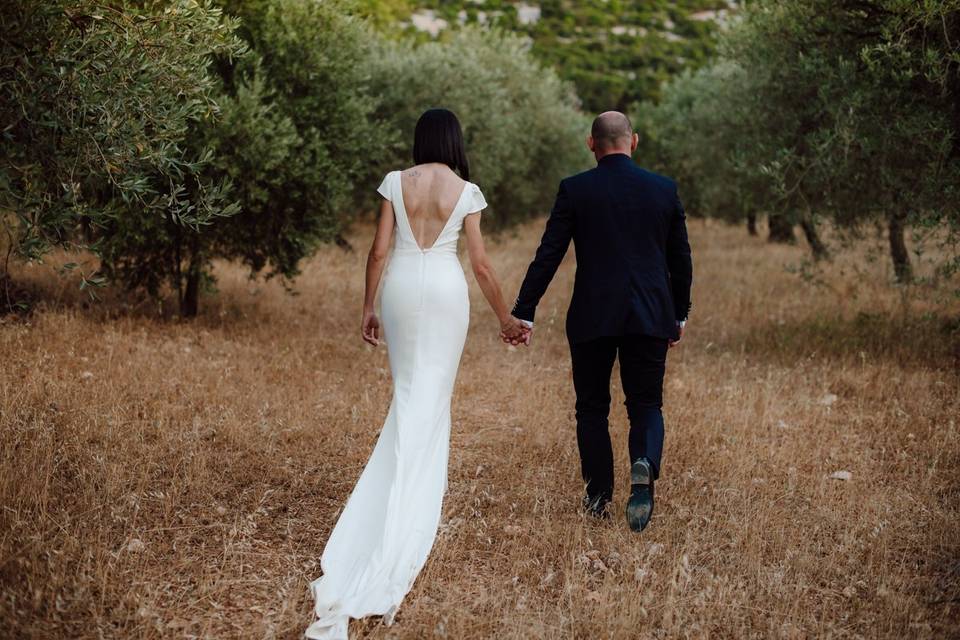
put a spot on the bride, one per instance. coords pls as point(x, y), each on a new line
point(389, 523)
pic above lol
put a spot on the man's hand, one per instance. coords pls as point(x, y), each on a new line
point(680, 326)
point(524, 338)
point(514, 331)
point(370, 328)
point(528, 334)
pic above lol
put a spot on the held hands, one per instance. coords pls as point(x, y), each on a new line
point(513, 331)
point(370, 327)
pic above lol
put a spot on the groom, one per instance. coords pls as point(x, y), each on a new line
point(630, 301)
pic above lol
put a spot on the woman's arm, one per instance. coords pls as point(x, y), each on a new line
point(487, 279)
point(376, 260)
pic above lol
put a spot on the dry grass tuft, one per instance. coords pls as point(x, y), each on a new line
point(179, 479)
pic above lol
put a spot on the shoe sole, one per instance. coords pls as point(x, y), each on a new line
point(640, 504)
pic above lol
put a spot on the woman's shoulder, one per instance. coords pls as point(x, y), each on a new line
point(473, 187)
point(418, 169)
point(386, 185)
point(475, 197)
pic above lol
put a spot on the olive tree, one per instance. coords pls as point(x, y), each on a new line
point(295, 139)
point(97, 103)
point(845, 111)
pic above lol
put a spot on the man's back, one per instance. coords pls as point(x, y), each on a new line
point(633, 257)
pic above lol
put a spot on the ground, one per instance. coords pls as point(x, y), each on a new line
point(165, 478)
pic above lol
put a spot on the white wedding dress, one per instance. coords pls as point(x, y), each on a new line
point(389, 523)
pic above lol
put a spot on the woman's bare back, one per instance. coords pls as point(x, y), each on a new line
point(430, 194)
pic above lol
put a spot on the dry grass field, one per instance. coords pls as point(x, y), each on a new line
point(173, 479)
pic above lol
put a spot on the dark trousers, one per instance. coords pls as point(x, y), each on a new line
point(642, 363)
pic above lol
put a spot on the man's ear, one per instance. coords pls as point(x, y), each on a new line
point(634, 142)
point(590, 143)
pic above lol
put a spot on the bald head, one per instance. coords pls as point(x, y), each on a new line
point(611, 129)
point(611, 133)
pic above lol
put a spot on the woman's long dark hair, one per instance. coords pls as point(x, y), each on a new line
point(439, 138)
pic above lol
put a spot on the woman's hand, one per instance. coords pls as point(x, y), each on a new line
point(370, 327)
point(513, 331)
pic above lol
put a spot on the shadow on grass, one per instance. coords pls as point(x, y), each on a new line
point(24, 296)
point(927, 340)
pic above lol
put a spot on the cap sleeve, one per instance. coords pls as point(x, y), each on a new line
point(476, 200)
point(385, 189)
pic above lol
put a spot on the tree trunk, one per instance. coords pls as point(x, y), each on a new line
point(5, 288)
point(898, 247)
point(752, 224)
point(178, 264)
point(10, 292)
point(780, 229)
point(5, 276)
point(817, 246)
point(190, 302)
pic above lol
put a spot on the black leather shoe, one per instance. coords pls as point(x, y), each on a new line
point(596, 507)
point(640, 504)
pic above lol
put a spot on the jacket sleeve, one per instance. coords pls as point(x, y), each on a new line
point(679, 262)
point(553, 246)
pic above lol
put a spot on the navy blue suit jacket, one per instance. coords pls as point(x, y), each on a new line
point(634, 269)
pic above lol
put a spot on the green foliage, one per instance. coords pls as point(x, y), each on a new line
point(382, 13)
point(165, 135)
point(522, 129)
point(135, 128)
point(693, 139)
point(823, 109)
point(257, 147)
point(295, 139)
point(615, 52)
point(97, 103)
point(317, 60)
